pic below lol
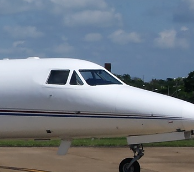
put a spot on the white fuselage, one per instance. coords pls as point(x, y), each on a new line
point(32, 108)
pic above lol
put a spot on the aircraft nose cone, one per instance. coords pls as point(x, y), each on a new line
point(188, 116)
point(188, 111)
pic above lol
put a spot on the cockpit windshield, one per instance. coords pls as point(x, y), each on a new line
point(98, 77)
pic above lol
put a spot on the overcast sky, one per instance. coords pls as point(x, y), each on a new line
point(150, 38)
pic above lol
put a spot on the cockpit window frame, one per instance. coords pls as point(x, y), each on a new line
point(55, 82)
point(98, 79)
point(78, 80)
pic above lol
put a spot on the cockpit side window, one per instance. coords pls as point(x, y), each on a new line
point(98, 77)
point(75, 79)
point(58, 77)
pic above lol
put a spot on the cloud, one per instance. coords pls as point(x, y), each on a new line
point(184, 12)
point(190, 3)
point(122, 37)
point(38, 3)
point(16, 49)
point(166, 39)
point(92, 17)
point(86, 13)
point(60, 5)
point(12, 7)
point(169, 39)
point(17, 43)
point(63, 48)
point(56, 6)
point(91, 37)
point(184, 28)
point(23, 31)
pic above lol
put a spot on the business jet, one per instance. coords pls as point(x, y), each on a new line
point(70, 98)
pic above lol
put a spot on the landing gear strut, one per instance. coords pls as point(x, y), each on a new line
point(131, 164)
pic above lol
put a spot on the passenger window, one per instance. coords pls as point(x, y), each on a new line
point(58, 77)
point(75, 79)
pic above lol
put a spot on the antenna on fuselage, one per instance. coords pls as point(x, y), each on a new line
point(107, 66)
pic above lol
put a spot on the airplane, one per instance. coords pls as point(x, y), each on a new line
point(44, 98)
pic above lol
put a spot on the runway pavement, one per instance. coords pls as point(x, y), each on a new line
point(91, 159)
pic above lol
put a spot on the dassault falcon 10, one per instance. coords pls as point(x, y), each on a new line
point(70, 98)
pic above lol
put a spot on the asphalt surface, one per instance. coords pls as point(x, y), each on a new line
point(92, 159)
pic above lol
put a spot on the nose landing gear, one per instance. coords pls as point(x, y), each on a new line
point(131, 164)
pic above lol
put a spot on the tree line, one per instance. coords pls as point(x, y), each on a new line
point(182, 88)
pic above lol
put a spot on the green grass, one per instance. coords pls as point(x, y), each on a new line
point(103, 142)
point(181, 143)
point(29, 143)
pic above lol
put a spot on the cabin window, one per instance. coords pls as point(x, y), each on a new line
point(98, 77)
point(58, 77)
point(75, 79)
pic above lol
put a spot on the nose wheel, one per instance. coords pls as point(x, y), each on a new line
point(125, 166)
point(131, 164)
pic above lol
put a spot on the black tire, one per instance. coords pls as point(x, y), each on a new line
point(123, 166)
